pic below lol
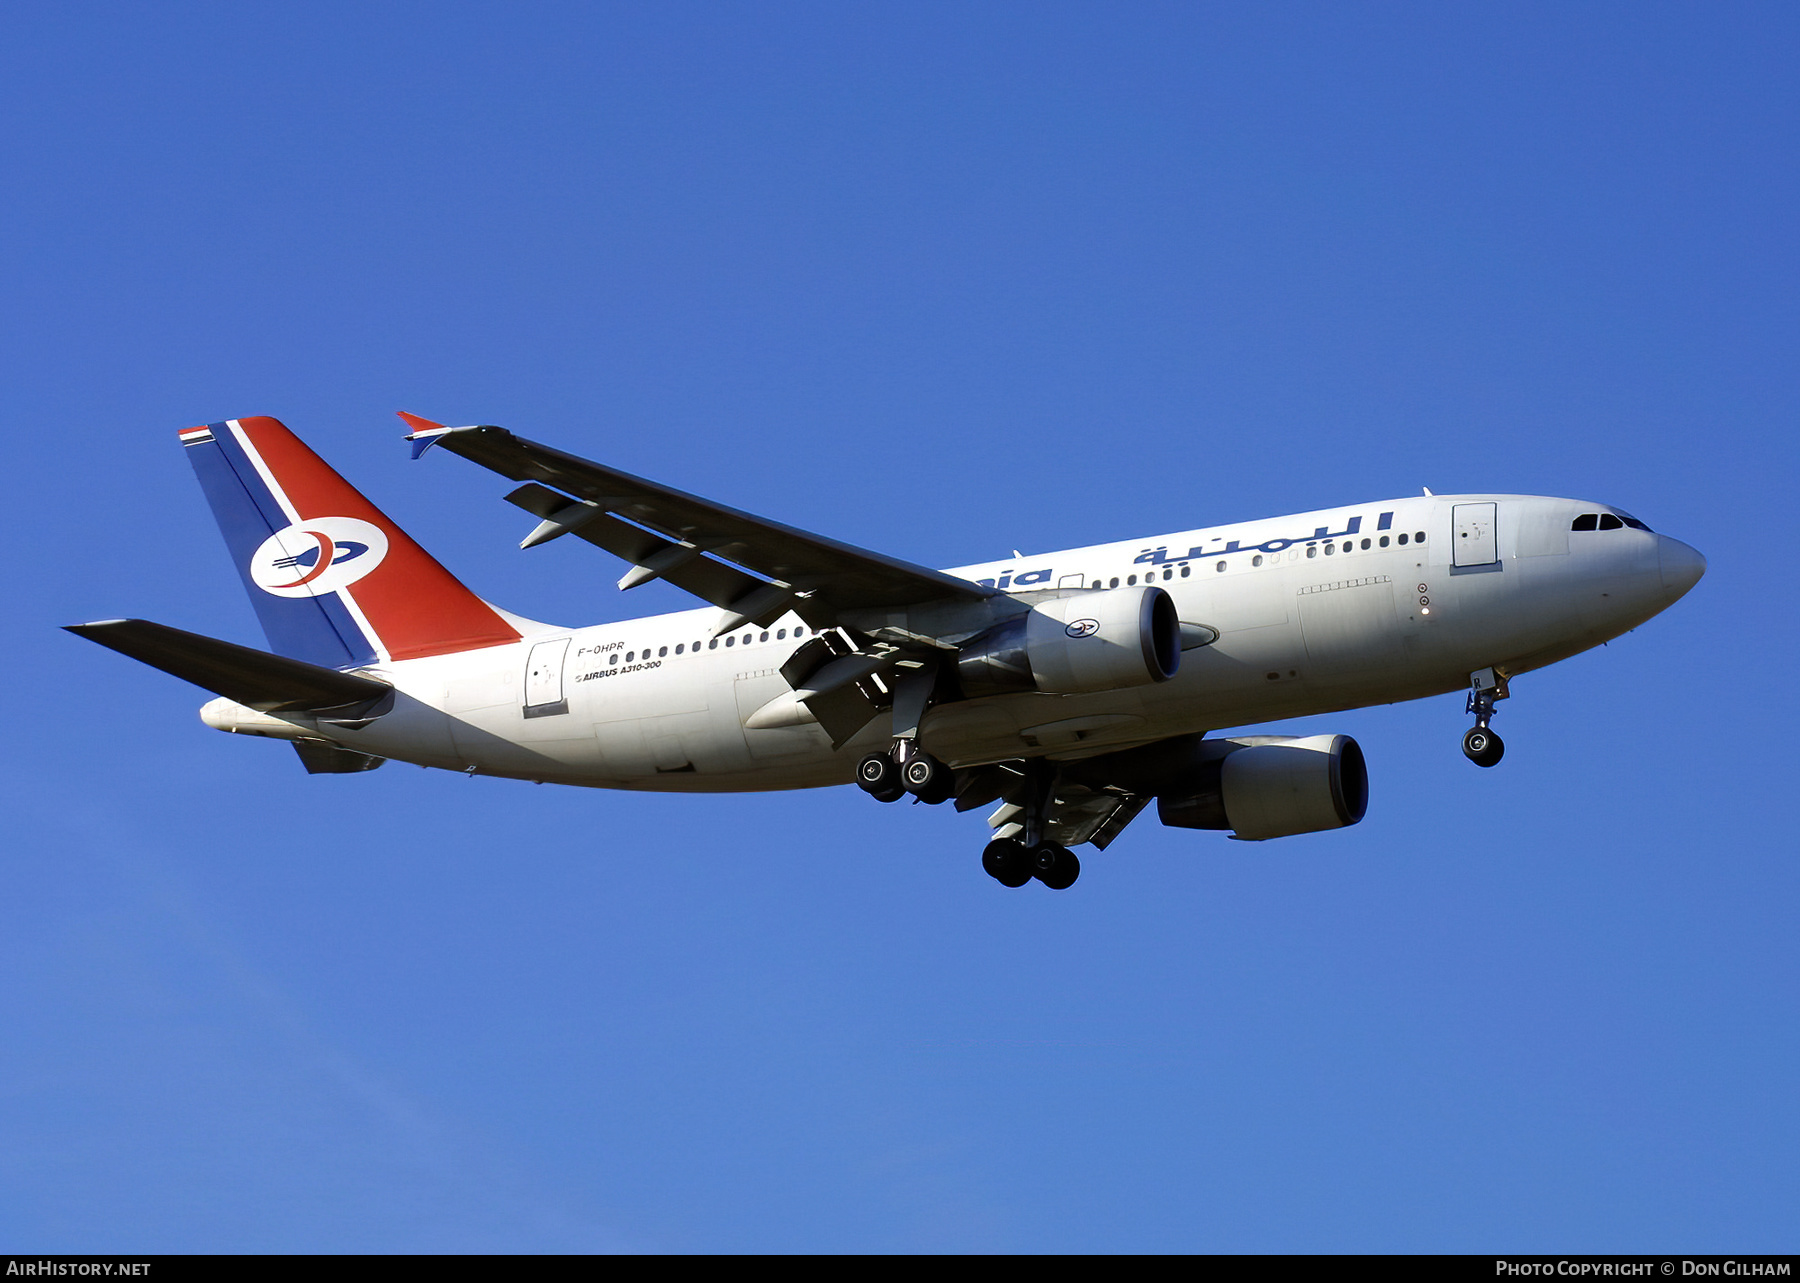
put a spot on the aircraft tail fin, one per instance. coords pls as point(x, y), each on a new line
point(334, 581)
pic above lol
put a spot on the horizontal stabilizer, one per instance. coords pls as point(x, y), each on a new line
point(254, 678)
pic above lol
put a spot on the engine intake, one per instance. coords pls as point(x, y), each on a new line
point(1077, 645)
point(1271, 786)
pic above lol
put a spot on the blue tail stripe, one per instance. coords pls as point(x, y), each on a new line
point(321, 629)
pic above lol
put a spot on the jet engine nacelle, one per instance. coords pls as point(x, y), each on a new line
point(1077, 645)
point(1269, 786)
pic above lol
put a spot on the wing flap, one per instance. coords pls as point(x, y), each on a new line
point(1076, 815)
point(711, 581)
point(322, 757)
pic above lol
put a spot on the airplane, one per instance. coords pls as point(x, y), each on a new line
point(1072, 688)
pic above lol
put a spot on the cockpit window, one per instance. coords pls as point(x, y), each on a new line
point(1608, 521)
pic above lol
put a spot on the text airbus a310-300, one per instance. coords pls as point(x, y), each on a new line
point(1069, 691)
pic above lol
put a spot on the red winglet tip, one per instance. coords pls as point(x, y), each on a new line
point(416, 423)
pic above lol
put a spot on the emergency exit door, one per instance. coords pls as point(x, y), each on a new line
point(1472, 534)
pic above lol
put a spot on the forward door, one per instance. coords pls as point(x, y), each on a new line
point(1472, 534)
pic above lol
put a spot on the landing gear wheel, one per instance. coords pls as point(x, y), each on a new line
point(1006, 862)
point(1482, 747)
point(927, 779)
point(1055, 866)
point(879, 777)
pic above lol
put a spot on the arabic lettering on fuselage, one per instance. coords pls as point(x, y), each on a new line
point(1161, 556)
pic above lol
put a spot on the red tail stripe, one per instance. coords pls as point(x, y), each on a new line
point(416, 607)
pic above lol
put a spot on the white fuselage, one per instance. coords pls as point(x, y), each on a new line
point(1315, 613)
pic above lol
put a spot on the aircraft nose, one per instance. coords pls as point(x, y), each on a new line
point(1682, 566)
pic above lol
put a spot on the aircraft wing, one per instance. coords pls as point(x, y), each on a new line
point(752, 567)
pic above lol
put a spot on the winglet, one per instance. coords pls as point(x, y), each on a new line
point(424, 434)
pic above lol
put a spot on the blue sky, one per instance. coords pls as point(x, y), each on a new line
point(944, 280)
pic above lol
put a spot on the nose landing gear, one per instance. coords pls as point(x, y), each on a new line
point(1481, 745)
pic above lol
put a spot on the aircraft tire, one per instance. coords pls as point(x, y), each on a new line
point(1055, 866)
point(1482, 747)
point(878, 775)
point(928, 779)
point(1006, 862)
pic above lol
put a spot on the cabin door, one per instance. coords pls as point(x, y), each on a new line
point(544, 679)
point(1472, 534)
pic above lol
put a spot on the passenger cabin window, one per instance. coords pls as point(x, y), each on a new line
point(661, 651)
point(1114, 583)
point(1256, 560)
point(1184, 572)
point(1403, 540)
point(613, 658)
point(1384, 541)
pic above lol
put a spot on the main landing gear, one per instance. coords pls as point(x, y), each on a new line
point(1011, 863)
point(1024, 851)
point(1481, 746)
point(1012, 860)
point(888, 777)
point(907, 768)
